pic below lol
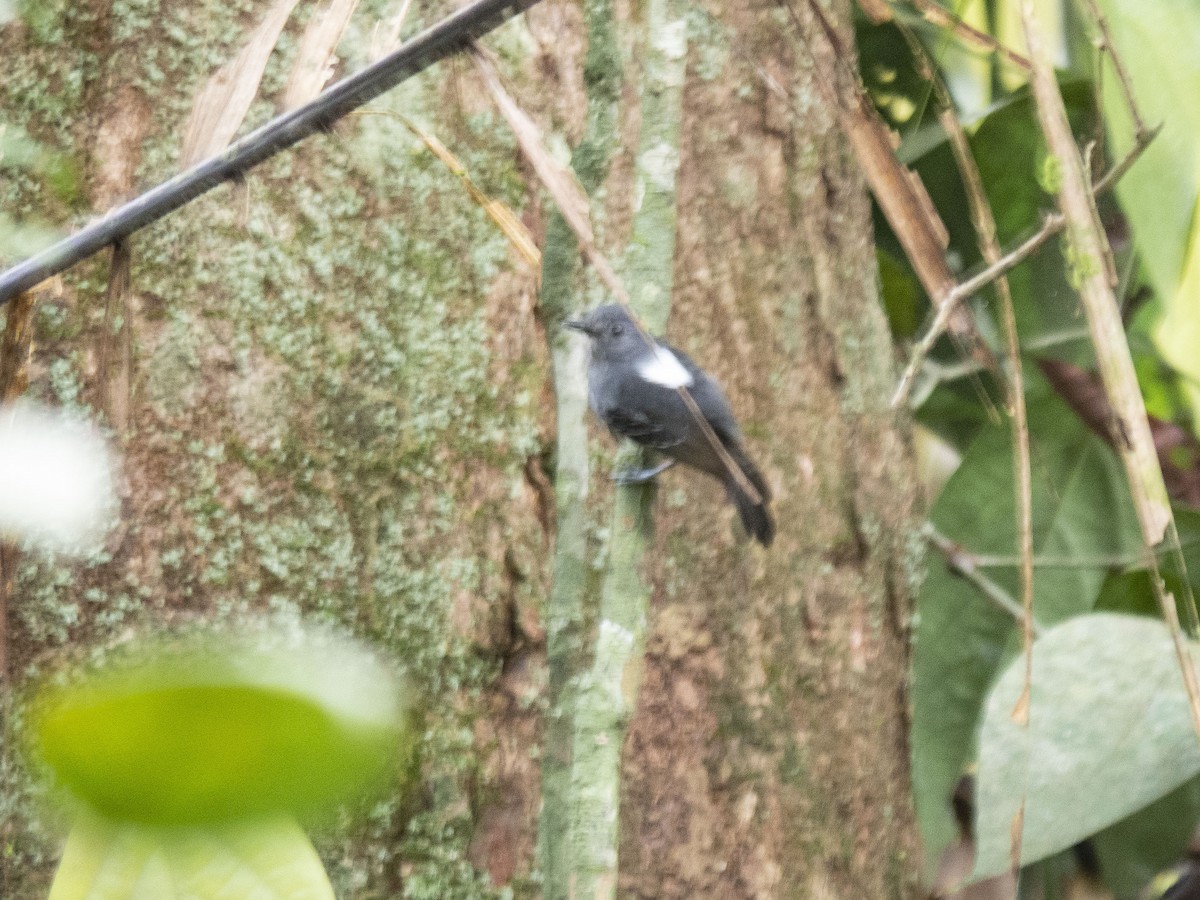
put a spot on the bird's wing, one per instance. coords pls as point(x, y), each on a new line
point(710, 399)
point(639, 427)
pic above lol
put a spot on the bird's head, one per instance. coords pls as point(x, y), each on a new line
point(613, 331)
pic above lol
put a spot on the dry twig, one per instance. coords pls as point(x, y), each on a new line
point(313, 67)
point(1106, 44)
point(506, 220)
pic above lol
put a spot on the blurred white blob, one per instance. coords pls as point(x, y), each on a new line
point(937, 460)
point(56, 479)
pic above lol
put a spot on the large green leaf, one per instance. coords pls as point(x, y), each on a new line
point(1159, 43)
point(223, 729)
point(1081, 510)
point(1110, 732)
point(258, 861)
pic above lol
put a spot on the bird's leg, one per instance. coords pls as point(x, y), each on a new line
point(641, 476)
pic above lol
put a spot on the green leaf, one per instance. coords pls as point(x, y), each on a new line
point(901, 294)
point(1110, 732)
point(109, 861)
point(1081, 510)
point(223, 729)
point(1160, 45)
point(20, 151)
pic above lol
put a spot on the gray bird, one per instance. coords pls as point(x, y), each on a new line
point(632, 389)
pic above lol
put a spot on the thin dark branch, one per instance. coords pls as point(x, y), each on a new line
point(449, 36)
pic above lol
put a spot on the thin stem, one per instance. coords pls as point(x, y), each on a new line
point(1135, 442)
point(1106, 43)
point(968, 34)
point(985, 228)
point(1050, 561)
point(966, 565)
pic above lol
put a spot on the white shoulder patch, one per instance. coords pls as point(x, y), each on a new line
point(664, 368)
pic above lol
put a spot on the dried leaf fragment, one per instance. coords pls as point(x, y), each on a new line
point(223, 102)
point(314, 60)
point(559, 180)
point(386, 36)
point(516, 232)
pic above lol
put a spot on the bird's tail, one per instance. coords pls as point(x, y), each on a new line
point(756, 517)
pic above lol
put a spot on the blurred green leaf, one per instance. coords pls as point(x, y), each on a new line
point(57, 170)
point(1081, 511)
point(901, 294)
point(18, 241)
point(1110, 732)
point(109, 861)
point(223, 729)
point(1160, 45)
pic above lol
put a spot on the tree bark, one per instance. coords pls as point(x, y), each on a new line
point(768, 754)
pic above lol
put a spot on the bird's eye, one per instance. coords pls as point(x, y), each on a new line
point(618, 330)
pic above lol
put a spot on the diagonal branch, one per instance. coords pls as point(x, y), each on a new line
point(968, 34)
point(447, 37)
point(1136, 444)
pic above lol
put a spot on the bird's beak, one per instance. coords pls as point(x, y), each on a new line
point(578, 325)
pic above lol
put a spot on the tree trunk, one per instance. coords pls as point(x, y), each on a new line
point(768, 754)
point(333, 398)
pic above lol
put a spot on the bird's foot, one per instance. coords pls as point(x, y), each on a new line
point(641, 476)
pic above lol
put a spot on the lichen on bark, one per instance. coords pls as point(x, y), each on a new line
point(334, 416)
